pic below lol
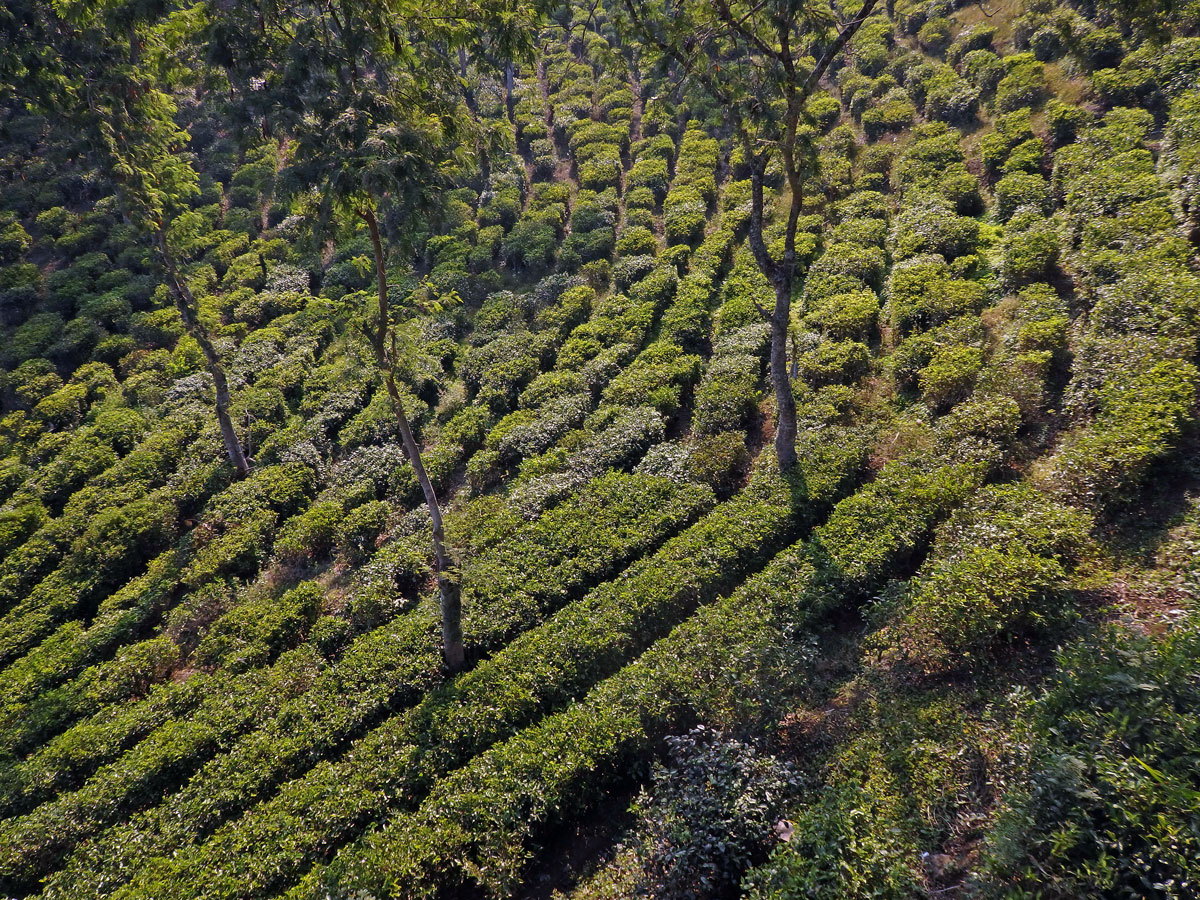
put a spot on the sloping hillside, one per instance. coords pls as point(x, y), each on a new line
point(952, 653)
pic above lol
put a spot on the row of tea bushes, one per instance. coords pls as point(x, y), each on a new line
point(387, 665)
point(230, 538)
point(1134, 380)
point(535, 674)
point(482, 824)
point(590, 639)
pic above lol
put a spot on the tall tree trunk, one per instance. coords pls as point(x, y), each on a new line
point(780, 276)
point(448, 587)
point(186, 304)
point(510, 103)
point(785, 401)
point(485, 170)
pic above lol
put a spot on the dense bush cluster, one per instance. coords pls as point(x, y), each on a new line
point(711, 813)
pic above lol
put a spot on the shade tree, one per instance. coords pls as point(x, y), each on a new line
point(761, 62)
point(375, 100)
point(109, 69)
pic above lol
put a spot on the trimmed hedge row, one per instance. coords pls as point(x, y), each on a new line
point(558, 401)
point(233, 539)
point(392, 665)
point(140, 472)
point(229, 544)
point(480, 826)
point(237, 525)
point(998, 567)
point(598, 355)
point(33, 845)
point(1134, 382)
point(233, 551)
point(36, 711)
point(841, 301)
point(729, 393)
point(685, 208)
point(534, 675)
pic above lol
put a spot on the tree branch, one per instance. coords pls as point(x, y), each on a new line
point(837, 46)
point(749, 36)
point(676, 54)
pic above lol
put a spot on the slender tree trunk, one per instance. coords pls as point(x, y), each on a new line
point(485, 170)
point(510, 103)
point(448, 586)
point(781, 322)
point(186, 304)
point(785, 401)
point(779, 318)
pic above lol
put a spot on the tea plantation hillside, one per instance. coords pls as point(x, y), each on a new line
point(398, 407)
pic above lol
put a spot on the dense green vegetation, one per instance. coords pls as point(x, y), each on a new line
point(681, 450)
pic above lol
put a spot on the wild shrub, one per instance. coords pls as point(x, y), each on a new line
point(1107, 803)
point(708, 815)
